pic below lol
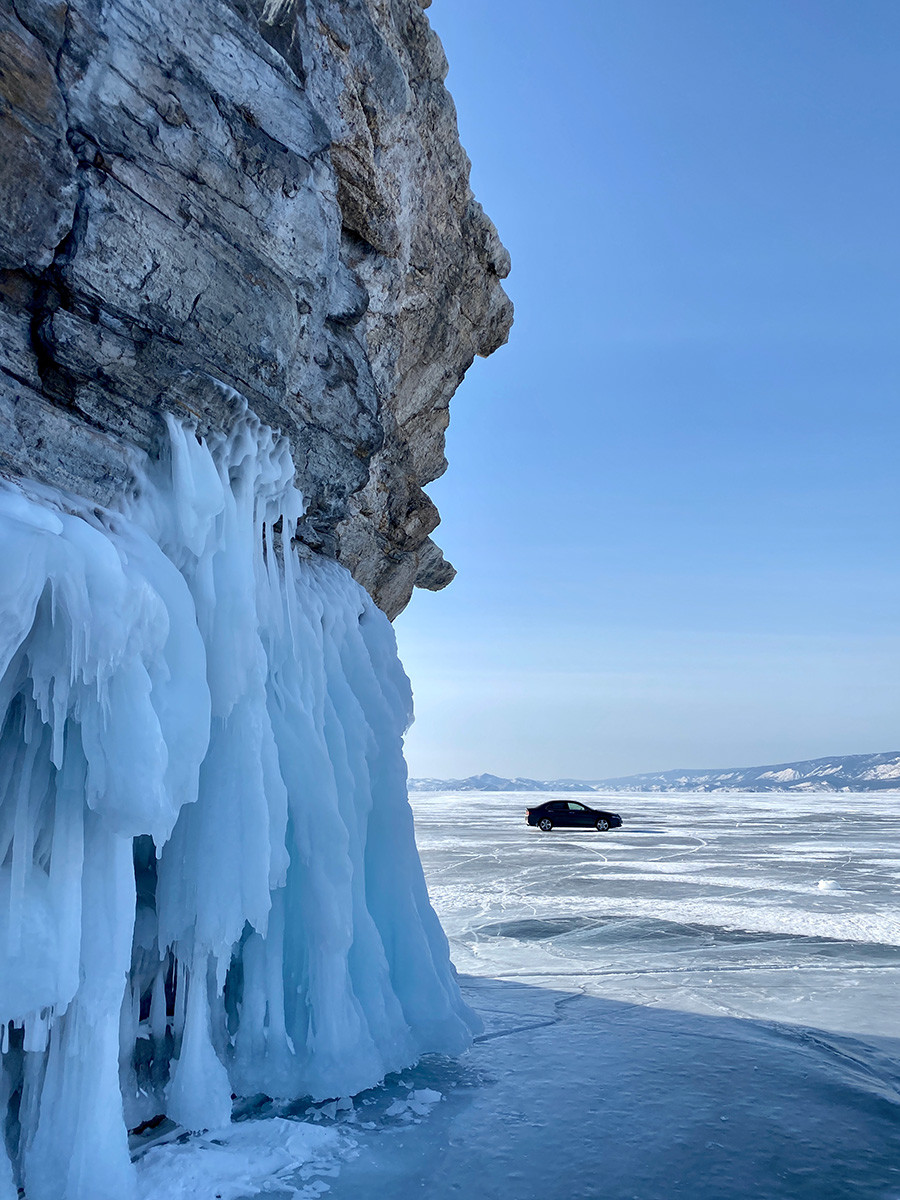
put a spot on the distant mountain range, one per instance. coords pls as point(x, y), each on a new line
point(849, 773)
point(496, 783)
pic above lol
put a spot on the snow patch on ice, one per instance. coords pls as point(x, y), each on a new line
point(244, 1160)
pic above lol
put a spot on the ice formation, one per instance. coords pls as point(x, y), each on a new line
point(208, 876)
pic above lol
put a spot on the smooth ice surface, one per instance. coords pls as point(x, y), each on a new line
point(208, 877)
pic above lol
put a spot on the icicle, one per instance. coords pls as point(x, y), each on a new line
point(37, 1027)
point(176, 672)
point(23, 846)
point(199, 1095)
point(159, 1021)
point(179, 976)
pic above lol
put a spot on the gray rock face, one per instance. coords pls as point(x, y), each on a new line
point(267, 194)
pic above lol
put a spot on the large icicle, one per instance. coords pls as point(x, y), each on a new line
point(208, 876)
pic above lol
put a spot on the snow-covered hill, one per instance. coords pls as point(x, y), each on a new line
point(497, 783)
point(852, 772)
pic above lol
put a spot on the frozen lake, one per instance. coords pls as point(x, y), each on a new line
point(699, 1006)
point(776, 906)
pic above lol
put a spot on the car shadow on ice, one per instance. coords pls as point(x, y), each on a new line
point(561, 832)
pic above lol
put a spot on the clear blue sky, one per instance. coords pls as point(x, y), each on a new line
point(673, 498)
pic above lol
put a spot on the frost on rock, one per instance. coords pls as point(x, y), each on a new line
point(208, 876)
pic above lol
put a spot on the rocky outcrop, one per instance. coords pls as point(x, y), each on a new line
point(268, 195)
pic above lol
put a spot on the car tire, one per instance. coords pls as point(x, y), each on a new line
point(545, 824)
point(602, 824)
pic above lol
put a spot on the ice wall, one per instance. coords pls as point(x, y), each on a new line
point(208, 877)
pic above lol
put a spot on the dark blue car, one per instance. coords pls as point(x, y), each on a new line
point(570, 814)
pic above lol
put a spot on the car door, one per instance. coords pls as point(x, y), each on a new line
point(558, 811)
point(578, 814)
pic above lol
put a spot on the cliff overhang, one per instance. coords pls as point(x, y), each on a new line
point(270, 196)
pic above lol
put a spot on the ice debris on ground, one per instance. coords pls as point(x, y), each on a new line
point(244, 1160)
point(419, 1103)
point(208, 875)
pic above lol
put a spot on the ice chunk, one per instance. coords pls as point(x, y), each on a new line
point(422, 1100)
point(208, 876)
point(249, 1159)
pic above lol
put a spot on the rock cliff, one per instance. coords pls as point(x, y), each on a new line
point(266, 194)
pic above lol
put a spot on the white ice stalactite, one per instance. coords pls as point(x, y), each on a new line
point(208, 877)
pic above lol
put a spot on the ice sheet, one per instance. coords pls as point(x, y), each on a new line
point(708, 903)
point(630, 1052)
point(673, 1011)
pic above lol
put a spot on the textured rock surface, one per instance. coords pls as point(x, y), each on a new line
point(269, 194)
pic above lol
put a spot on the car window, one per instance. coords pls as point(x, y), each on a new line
point(556, 806)
point(573, 807)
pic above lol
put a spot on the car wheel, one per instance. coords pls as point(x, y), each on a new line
point(602, 824)
point(546, 824)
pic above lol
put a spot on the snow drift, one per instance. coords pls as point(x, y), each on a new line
point(208, 876)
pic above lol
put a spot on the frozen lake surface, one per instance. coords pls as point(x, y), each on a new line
point(772, 906)
point(699, 1006)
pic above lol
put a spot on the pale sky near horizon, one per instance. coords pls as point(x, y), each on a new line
point(673, 497)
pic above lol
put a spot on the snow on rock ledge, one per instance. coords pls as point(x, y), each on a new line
point(208, 876)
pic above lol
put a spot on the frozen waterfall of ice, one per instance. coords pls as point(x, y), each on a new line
point(208, 877)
